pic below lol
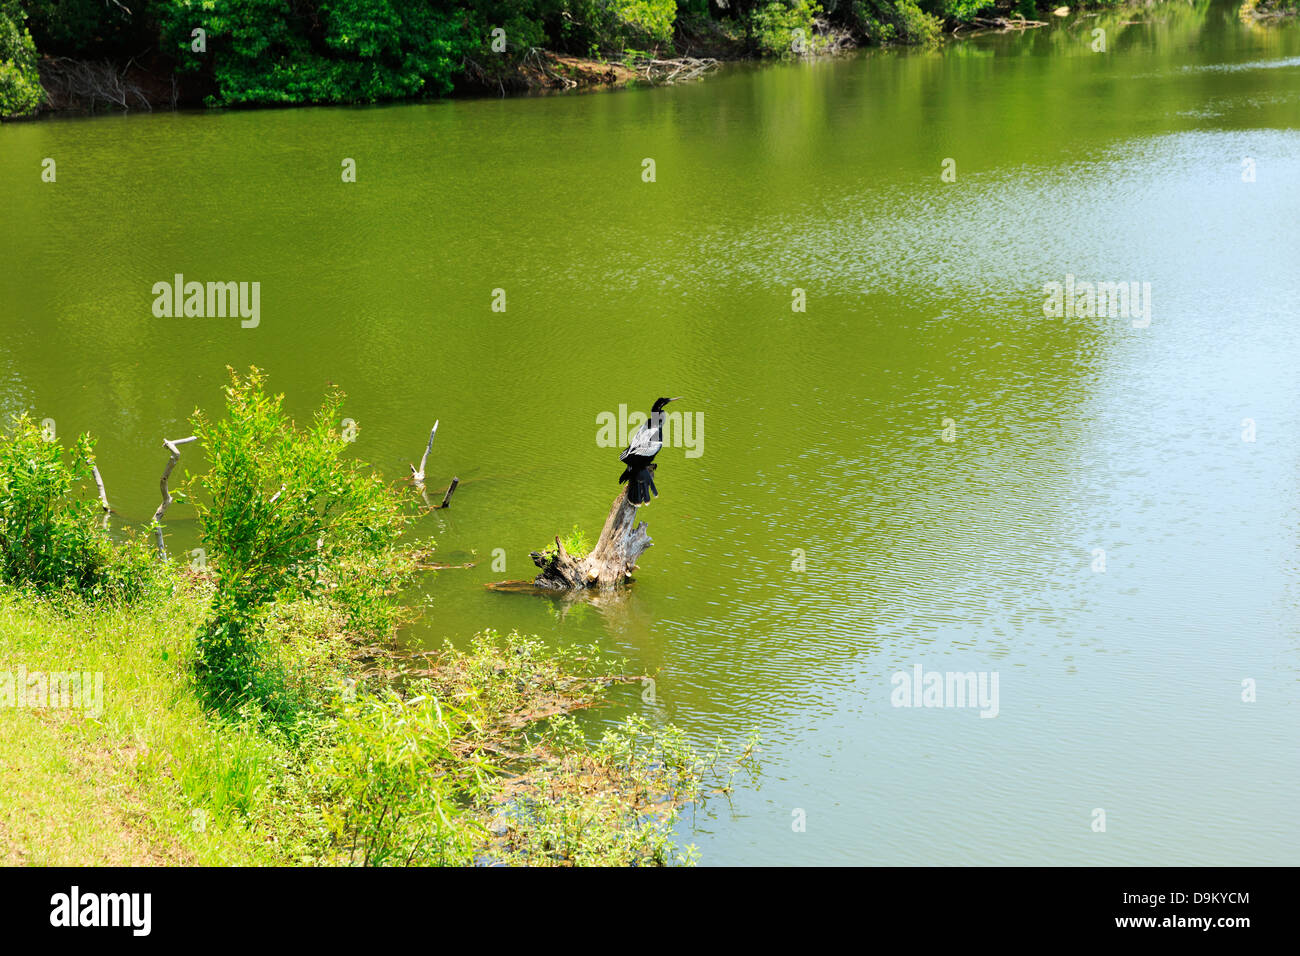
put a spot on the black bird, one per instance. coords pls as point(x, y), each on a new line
point(639, 455)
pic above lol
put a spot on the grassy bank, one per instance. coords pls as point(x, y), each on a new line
point(453, 758)
point(122, 788)
point(259, 710)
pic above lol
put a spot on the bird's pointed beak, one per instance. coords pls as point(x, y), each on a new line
point(677, 399)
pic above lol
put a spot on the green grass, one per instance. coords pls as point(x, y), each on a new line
point(122, 788)
point(576, 543)
point(448, 758)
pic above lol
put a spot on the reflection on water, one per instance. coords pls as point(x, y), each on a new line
point(829, 536)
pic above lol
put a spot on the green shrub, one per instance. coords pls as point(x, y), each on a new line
point(772, 26)
point(50, 539)
point(396, 786)
point(614, 801)
point(349, 51)
point(649, 20)
point(961, 11)
point(611, 27)
point(282, 514)
point(915, 25)
point(894, 21)
point(20, 83)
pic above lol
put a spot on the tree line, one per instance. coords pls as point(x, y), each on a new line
point(265, 52)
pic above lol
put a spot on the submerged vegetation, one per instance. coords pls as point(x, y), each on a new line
point(250, 52)
point(257, 711)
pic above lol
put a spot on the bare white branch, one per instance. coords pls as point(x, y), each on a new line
point(99, 483)
point(417, 474)
point(174, 448)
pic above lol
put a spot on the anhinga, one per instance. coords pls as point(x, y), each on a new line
point(639, 455)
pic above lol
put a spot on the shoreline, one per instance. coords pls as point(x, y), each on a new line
point(71, 86)
point(265, 709)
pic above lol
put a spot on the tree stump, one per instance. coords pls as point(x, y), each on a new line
point(610, 563)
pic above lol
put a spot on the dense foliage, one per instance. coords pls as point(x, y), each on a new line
point(284, 514)
point(50, 538)
point(20, 86)
point(246, 52)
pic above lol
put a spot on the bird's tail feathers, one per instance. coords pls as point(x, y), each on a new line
point(640, 487)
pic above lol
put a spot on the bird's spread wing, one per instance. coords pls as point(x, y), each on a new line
point(642, 445)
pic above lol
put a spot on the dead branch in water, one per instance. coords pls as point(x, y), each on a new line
point(831, 40)
point(681, 69)
point(451, 490)
point(99, 483)
point(85, 84)
point(417, 474)
point(167, 499)
point(1002, 24)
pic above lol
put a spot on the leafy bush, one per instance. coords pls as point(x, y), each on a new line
point(772, 26)
point(652, 20)
point(957, 10)
point(282, 514)
point(610, 27)
point(393, 781)
point(20, 84)
point(348, 51)
point(351, 51)
point(894, 21)
point(916, 26)
point(49, 539)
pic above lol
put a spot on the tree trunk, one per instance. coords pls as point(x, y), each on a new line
point(611, 561)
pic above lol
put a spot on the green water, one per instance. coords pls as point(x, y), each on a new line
point(823, 430)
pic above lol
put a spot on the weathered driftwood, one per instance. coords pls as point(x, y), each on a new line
point(610, 563)
point(982, 25)
point(417, 474)
point(451, 490)
point(167, 499)
point(99, 483)
point(677, 70)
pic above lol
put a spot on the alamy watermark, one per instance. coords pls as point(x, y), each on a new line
point(923, 688)
point(211, 300)
point(133, 911)
point(679, 429)
point(53, 690)
point(1116, 300)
